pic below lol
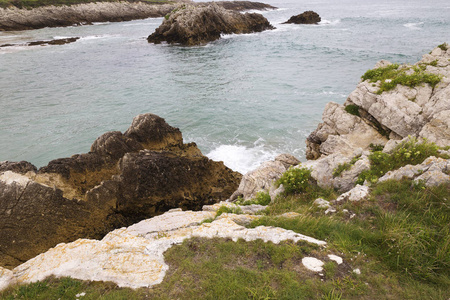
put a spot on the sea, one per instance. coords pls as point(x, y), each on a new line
point(242, 99)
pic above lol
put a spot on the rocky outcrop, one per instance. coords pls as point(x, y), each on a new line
point(369, 117)
point(432, 172)
point(307, 17)
point(195, 25)
point(264, 177)
point(133, 257)
point(55, 16)
point(123, 179)
point(45, 43)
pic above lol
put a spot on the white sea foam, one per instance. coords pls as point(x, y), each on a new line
point(240, 158)
point(414, 26)
point(328, 22)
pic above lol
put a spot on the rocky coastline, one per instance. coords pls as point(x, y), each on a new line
point(14, 18)
point(148, 171)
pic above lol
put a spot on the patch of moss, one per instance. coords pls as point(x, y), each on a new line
point(392, 75)
point(345, 166)
point(443, 46)
point(352, 109)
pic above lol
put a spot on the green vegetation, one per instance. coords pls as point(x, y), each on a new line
point(410, 152)
point(39, 3)
point(295, 180)
point(228, 210)
point(345, 166)
point(443, 46)
point(393, 74)
point(261, 198)
point(376, 147)
point(352, 109)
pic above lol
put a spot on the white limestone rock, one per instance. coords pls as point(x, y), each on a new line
point(323, 168)
point(313, 264)
point(437, 130)
point(10, 177)
point(358, 193)
point(6, 278)
point(133, 256)
point(321, 203)
point(336, 258)
point(264, 177)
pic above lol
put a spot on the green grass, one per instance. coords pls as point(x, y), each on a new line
point(410, 152)
point(392, 75)
point(261, 198)
point(38, 3)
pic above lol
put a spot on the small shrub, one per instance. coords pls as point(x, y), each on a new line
point(443, 46)
point(352, 109)
point(407, 153)
point(295, 180)
point(376, 147)
point(261, 198)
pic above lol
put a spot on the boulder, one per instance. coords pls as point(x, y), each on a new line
point(324, 167)
point(264, 177)
point(123, 179)
point(307, 17)
point(196, 25)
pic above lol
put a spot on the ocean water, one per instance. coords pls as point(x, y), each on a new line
point(242, 99)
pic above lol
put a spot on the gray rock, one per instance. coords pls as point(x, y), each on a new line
point(321, 203)
point(264, 177)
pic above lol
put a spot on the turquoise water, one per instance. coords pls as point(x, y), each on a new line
point(242, 99)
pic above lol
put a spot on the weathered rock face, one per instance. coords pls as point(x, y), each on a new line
point(421, 111)
point(264, 177)
point(125, 178)
point(195, 25)
point(308, 17)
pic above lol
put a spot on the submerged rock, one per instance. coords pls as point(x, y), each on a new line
point(307, 17)
point(123, 179)
point(195, 25)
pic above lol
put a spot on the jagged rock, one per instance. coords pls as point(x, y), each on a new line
point(124, 179)
point(323, 168)
point(133, 257)
point(307, 17)
point(264, 177)
point(358, 193)
point(433, 171)
point(195, 25)
point(341, 132)
point(21, 167)
point(45, 43)
point(422, 111)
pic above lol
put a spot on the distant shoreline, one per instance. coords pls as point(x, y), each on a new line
point(14, 18)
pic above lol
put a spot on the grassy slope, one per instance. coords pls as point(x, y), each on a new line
point(399, 238)
point(38, 3)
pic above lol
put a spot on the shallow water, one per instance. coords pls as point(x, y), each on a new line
point(242, 99)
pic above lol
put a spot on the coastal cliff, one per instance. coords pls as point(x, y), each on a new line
point(14, 18)
point(369, 217)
